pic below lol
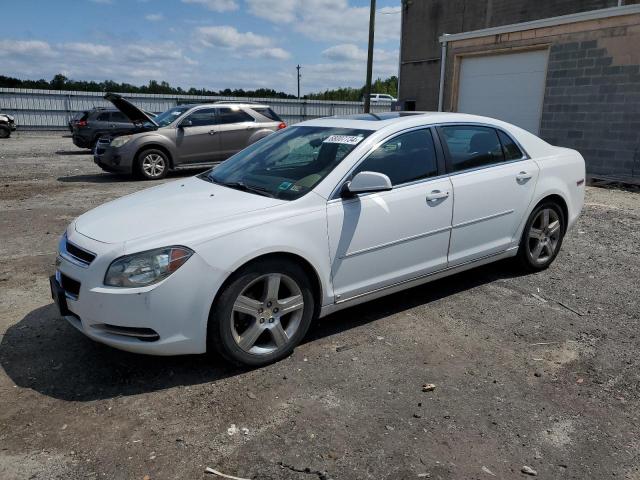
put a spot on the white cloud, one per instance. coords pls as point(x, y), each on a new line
point(277, 11)
point(36, 48)
point(215, 5)
point(90, 49)
point(136, 62)
point(346, 52)
point(154, 17)
point(329, 20)
point(240, 43)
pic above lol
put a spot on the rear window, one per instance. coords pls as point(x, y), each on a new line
point(269, 113)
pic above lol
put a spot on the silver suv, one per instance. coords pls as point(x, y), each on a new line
point(183, 136)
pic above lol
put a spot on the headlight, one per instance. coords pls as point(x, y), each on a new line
point(146, 268)
point(120, 141)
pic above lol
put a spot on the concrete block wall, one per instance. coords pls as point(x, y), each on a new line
point(592, 102)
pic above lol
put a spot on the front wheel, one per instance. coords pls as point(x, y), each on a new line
point(542, 237)
point(262, 314)
point(152, 164)
point(5, 132)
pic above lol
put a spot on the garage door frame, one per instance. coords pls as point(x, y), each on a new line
point(457, 66)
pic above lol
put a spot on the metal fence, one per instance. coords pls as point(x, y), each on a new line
point(52, 109)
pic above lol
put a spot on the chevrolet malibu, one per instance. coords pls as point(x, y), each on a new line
point(310, 220)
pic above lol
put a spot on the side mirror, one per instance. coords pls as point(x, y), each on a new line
point(186, 123)
point(367, 182)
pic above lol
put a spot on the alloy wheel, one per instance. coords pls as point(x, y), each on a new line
point(544, 236)
point(267, 314)
point(153, 165)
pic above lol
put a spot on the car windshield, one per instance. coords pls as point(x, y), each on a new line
point(289, 163)
point(165, 118)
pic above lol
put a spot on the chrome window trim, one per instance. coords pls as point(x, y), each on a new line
point(335, 194)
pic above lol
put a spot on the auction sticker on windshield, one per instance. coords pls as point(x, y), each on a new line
point(344, 139)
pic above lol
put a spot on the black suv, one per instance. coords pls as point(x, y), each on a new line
point(94, 123)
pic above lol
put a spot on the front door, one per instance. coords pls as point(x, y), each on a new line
point(197, 137)
point(379, 239)
point(493, 183)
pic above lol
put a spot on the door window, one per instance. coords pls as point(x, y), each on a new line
point(472, 146)
point(230, 115)
point(511, 150)
point(405, 158)
point(119, 117)
point(203, 117)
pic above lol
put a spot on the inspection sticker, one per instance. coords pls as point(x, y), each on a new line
point(345, 139)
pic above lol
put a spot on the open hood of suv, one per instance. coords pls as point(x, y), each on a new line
point(132, 112)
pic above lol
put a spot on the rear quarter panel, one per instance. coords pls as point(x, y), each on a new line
point(562, 172)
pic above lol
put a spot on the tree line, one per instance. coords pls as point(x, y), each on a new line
point(61, 82)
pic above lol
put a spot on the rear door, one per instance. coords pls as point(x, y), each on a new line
point(493, 183)
point(197, 137)
point(234, 128)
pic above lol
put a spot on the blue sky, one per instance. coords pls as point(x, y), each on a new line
point(201, 43)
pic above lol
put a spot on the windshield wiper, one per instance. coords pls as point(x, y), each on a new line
point(246, 188)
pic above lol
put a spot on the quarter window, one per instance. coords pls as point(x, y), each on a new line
point(472, 147)
point(405, 158)
point(229, 115)
point(509, 147)
point(203, 117)
point(103, 117)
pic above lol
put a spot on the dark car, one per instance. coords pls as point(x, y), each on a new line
point(7, 125)
point(94, 123)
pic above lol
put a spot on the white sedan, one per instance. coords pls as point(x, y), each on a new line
point(310, 220)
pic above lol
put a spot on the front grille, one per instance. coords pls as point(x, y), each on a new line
point(79, 253)
point(70, 285)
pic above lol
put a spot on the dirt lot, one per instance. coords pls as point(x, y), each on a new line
point(538, 370)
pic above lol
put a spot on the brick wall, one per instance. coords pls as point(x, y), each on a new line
point(592, 103)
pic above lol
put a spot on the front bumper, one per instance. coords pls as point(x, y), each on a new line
point(168, 318)
point(111, 159)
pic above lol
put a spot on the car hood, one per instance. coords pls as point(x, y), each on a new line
point(169, 208)
point(132, 112)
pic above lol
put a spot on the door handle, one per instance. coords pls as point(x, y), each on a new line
point(436, 195)
point(212, 132)
point(523, 176)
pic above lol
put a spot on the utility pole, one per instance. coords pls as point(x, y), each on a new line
point(298, 68)
point(367, 87)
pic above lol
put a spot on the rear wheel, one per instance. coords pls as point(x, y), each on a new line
point(152, 164)
point(5, 132)
point(542, 237)
point(262, 314)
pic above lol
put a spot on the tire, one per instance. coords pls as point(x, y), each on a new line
point(247, 323)
point(152, 164)
point(5, 132)
point(542, 237)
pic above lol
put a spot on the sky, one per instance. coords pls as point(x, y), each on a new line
point(212, 44)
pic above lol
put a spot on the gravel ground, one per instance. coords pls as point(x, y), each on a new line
point(538, 370)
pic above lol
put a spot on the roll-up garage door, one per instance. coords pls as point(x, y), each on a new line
point(508, 87)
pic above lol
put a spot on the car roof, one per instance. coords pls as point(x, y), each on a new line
point(378, 121)
point(227, 104)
